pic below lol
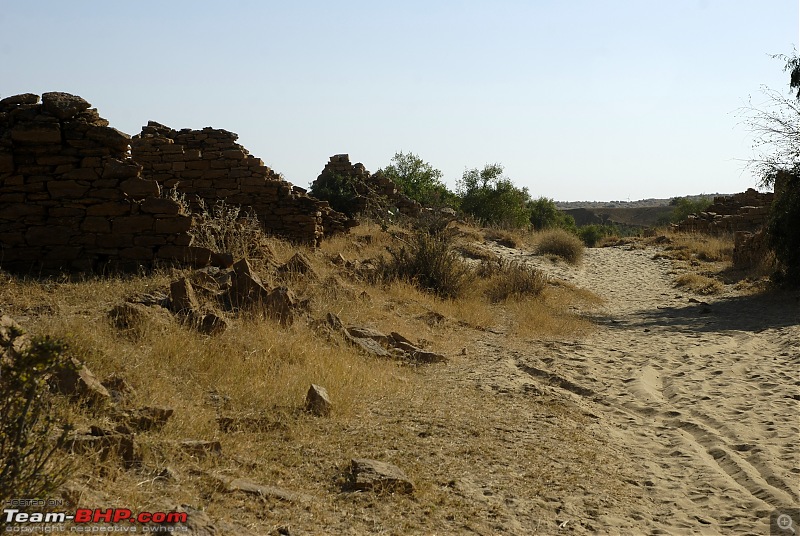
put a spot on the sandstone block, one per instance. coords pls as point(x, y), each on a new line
point(137, 188)
point(132, 224)
point(192, 255)
point(373, 475)
point(318, 402)
point(157, 205)
point(66, 189)
point(110, 137)
point(183, 298)
point(49, 235)
point(114, 168)
point(15, 100)
point(36, 133)
point(109, 209)
point(63, 105)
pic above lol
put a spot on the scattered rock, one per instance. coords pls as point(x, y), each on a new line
point(298, 264)
point(118, 387)
point(373, 475)
point(183, 299)
point(77, 380)
point(317, 401)
point(247, 289)
point(106, 443)
point(222, 260)
point(13, 340)
point(282, 304)
point(211, 324)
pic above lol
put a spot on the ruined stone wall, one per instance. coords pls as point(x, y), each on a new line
point(70, 196)
point(208, 164)
point(747, 211)
point(368, 186)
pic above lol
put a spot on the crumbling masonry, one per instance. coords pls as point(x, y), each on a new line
point(72, 196)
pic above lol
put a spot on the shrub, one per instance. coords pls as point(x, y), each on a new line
point(228, 229)
point(510, 279)
point(493, 199)
point(683, 206)
point(29, 435)
point(562, 244)
point(545, 215)
point(429, 262)
point(419, 180)
point(593, 233)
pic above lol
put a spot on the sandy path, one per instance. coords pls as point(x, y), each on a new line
point(701, 397)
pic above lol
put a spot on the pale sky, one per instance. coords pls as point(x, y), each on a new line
point(577, 99)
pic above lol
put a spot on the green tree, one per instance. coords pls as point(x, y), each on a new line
point(419, 180)
point(492, 198)
point(683, 206)
point(777, 163)
point(545, 215)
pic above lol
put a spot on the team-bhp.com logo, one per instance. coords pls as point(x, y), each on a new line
point(93, 520)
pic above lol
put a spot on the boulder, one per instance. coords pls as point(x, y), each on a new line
point(373, 475)
point(317, 401)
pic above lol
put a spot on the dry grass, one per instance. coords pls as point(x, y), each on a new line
point(700, 247)
point(699, 283)
point(562, 244)
point(423, 420)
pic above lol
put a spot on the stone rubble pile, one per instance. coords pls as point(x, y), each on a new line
point(747, 211)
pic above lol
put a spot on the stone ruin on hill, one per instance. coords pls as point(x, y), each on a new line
point(72, 196)
point(369, 188)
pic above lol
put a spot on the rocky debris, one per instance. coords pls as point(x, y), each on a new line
point(373, 475)
point(106, 443)
point(77, 380)
point(379, 344)
point(118, 387)
point(183, 299)
point(201, 449)
point(282, 304)
point(145, 419)
point(232, 484)
point(13, 340)
point(298, 265)
point(318, 402)
point(247, 289)
point(210, 324)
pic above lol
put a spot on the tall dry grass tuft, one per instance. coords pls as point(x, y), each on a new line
point(562, 244)
point(511, 279)
point(699, 283)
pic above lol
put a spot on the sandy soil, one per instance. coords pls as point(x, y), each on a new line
point(697, 396)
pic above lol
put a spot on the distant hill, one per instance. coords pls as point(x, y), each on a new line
point(627, 204)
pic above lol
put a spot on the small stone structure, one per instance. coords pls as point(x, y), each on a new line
point(71, 197)
point(367, 186)
point(745, 211)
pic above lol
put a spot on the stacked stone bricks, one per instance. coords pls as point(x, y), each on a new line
point(747, 211)
point(71, 197)
point(209, 165)
point(368, 186)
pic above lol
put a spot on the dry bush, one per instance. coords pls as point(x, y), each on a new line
point(511, 279)
point(505, 237)
point(431, 263)
point(554, 314)
point(699, 283)
point(562, 244)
